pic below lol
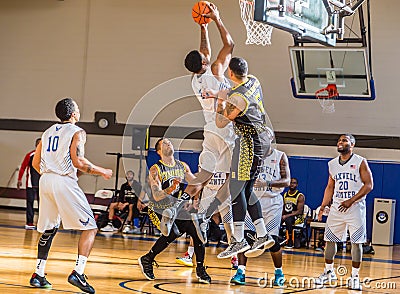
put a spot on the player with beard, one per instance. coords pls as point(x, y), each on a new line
point(350, 180)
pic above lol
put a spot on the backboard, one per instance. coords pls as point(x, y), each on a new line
point(314, 68)
point(307, 19)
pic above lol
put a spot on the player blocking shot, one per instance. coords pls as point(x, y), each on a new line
point(218, 142)
point(58, 158)
point(350, 180)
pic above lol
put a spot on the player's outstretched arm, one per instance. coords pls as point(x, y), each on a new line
point(205, 46)
point(229, 109)
point(220, 65)
point(77, 151)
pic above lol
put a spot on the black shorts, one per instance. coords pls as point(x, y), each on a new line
point(248, 155)
point(131, 200)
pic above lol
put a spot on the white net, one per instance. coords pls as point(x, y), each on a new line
point(327, 104)
point(326, 98)
point(258, 33)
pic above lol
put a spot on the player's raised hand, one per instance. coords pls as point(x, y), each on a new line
point(214, 13)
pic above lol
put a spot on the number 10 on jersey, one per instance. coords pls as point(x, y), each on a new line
point(53, 144)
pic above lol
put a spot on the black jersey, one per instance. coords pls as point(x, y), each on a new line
point(252, 143)
point(253, 117)
point(167, 174)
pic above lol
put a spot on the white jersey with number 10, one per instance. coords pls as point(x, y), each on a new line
point(55, 155)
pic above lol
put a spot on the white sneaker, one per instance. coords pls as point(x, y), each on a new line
point(259, 246)
point(135, 231)
point(354, 283)
point(108, 228)
point(326, 277)
point(234, 248)
point(126, 229)
point(186, 260)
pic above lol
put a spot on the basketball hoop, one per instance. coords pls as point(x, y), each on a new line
point(326, 97)
point(258, 33)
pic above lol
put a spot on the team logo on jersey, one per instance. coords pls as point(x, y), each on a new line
point(382, 217)
point(288, 207)
point(85, 223)
point(58, 128)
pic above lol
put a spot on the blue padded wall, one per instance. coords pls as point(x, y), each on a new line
point(312, 174)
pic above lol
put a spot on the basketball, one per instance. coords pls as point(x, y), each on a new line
point(200, 8)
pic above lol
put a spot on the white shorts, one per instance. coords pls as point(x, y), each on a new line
point(225, 209)
point(61, 199)
point(217, 152)
point(354, 220)
point(272, 213)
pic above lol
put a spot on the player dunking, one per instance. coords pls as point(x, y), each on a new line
point(58, 157)
point(350, 180)
point(218, 142)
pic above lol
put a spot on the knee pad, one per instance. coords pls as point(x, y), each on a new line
point(276, 246)
point(356, 252)
point(330, 250)
point(45, 242)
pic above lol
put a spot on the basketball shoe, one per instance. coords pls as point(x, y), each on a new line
point(39, 282)
point(80, 281)
point(239, 278)
point(186, 260)
point(259, 245)
point(202, 275)
point(234, 262)
point(354, 283)
point(234, 248)
point(279, 279)
point(30, 226)
point(146, 265)
point(326, 277)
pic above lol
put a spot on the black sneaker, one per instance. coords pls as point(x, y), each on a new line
point(146, 265)
point(202, 275)
point(289, 244)
point(80, 281)
point(39, 282)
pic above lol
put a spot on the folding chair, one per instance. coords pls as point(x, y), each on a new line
point(100, 205)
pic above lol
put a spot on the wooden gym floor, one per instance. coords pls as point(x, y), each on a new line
point(113, 266)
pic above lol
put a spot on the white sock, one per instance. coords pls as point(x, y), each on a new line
point(190, 251)
point(243, 268)
point(278, 268)
point(238, 231)
point(260, 227)
point(329, 266)
point(80, 264)
point(40, 265)
point(354, 272)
